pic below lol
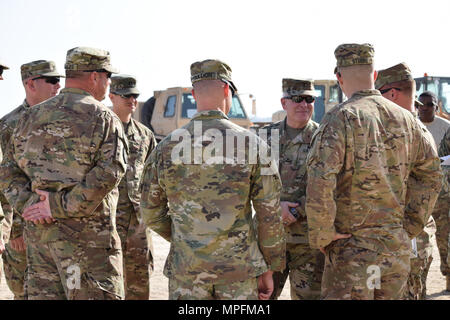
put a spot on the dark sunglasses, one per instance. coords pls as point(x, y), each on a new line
point(128, 96)
point(108, 74)
point(429, 104)
point(1, 71)
point(298, 99)
point(386, 90)
point(52, 80)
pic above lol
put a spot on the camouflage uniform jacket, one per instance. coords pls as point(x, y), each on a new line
point(73, 147)
point(292, 168)
point(444, 150)
point(7, 125)
point(372, 174)
point(141, 142)
point(204, 209)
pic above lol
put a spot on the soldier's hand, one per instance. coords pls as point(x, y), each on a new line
point(17, 244)
point(39, 213)
point(265, 285)
point(337, 236)
point(287, 217)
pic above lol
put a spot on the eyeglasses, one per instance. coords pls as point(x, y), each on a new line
point(52, 80)
point(108, 74)
point(1, 71)
point(386, 90)
point(298, 99)
point(429, 104)
point(128, 96)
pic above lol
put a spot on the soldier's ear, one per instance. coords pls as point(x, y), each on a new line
point(375, 75)
point(283, 103)
point(193, 94)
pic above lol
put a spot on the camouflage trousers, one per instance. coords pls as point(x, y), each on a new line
point(441, 216)
point(15, 264)
point(137, 250)
point(65, 270)
point(304, 266)
point(181, 289)
point(353, 273)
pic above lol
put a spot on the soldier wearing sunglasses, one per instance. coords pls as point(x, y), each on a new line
point(304, 265)
point(61, 174)
point(40, 79)
point(397, 85)
point(136, 239)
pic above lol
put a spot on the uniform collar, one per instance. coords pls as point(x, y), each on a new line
point(209, 114)
point(303, 137)
point(367, 92)
point(76, 90)
point(25, 104)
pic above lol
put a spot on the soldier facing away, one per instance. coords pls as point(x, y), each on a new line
point(40, 79)
point(62, 171)
point(135, 238)
point(196, 195)
point(367, 195)
point(397, 85)
point(304, 265)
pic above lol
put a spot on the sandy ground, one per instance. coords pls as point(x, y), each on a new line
point(159, 283)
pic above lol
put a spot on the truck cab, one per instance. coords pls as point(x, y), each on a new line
point(172, 108)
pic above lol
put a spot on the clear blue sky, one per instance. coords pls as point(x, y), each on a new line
point(262, 41)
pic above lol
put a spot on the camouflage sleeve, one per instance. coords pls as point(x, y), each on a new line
point(423, 187)
point(110, 163)
point(154, 206)
point(265, 196)
point(15, 183)
point(444, 147)
point(324, 162)
point(17, 225)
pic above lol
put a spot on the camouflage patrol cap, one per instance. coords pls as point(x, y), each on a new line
point(88, 59)
point(123, 84)
point(293, 87)
point(349, 54)
point(397, 73)
point(211, 70)
point(2, 65)
point(43, 68)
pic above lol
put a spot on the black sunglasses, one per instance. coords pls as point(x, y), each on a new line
point(108, 74)
point(386, 90)
point(429, 104)
point(52, 80)
point(1, 71)
point(127, 96)
point(298, 99)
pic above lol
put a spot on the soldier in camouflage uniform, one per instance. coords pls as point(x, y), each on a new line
point(444, 150)
point(41, 82)
point(304, 265)
point(367, 194)
point(397, 84)
point(196, 195)
point(62, 170)
point(135, 238)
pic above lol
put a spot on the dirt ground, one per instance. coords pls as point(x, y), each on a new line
point(159, 283)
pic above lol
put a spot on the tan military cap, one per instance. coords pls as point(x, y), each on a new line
point(42, 68)
point(123, 84)
point(88, 59)
point(399, 72)
point(2, 65)
point(349, 54)
point(211, 70)
point(293, 87)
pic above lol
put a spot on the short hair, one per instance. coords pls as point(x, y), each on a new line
point(73, 74)
point(407, 86)
point(430, 94)
point(203, 86)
